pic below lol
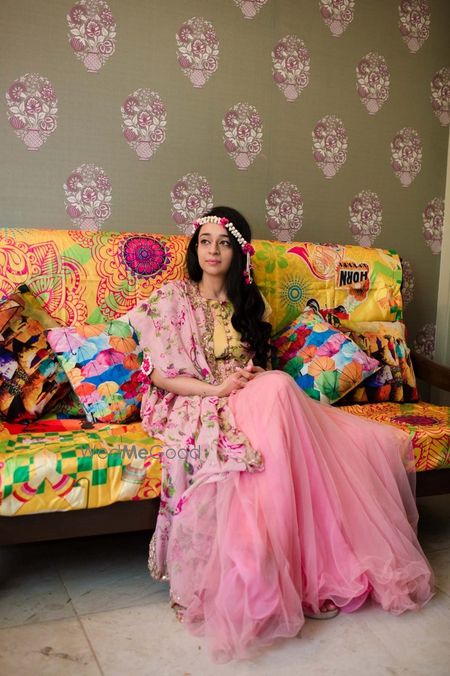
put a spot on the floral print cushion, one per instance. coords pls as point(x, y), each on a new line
point(385, 341)
point(31, 378)
point(102, 362)
point(323, 361)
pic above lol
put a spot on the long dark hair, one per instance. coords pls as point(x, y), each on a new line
point(247, 301)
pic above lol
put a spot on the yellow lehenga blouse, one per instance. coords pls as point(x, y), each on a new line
point(227, 341)
point(223, 348)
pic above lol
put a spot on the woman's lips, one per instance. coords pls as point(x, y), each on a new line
point(213, 262)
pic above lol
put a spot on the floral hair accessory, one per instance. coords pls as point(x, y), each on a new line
point(246, 247)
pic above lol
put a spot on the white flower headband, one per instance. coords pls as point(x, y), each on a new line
point(246, 247)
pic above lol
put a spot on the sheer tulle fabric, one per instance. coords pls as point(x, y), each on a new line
point(332, 516)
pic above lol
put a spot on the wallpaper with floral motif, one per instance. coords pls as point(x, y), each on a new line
point(321, 120)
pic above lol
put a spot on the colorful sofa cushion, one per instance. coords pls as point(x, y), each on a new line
point(384, 341)
point(31, 378)
point(102, 362)
point(324, 362)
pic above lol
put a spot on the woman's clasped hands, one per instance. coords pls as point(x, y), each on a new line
point(239, 379)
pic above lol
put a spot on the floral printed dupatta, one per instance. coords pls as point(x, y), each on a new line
point(200, 440)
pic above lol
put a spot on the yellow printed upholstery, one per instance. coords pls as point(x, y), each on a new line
point(427, 424)
point(352, 282)
point(57, 465)
point(54, 464)
point(93, 276)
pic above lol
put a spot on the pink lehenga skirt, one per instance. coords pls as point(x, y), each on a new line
point(331, 516)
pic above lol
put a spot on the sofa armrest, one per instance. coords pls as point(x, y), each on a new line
point(431, 372)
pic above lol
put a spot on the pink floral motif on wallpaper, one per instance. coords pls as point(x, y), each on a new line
point(366, 217)
point(88, 197)
point(291, 65)
point(198, 50)
point(407, 283)
point(440, 95)
point(414, 23)
point(284, 211)
point(92, 33)
point(250, 8)
point(243, 134)
point(32, 109)
point(372, 81)
point(337, 14)
point(191, 197)
point(330, 144)
point(144, 122)
point(424, 342)
point(433, 224)
point(406, 155)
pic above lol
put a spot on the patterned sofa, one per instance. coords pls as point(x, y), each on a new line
point(62, 476)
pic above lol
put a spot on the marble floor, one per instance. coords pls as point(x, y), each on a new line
point(89, 607)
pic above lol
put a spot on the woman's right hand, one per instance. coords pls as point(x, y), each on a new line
point(236, 381)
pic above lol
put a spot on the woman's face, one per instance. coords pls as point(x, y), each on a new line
point(214, 250)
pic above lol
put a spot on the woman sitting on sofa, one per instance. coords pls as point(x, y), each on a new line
point(279, 507)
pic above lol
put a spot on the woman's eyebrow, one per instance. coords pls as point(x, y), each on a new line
point(208, 234)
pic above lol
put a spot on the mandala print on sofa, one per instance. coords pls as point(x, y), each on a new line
point(406, 155)
point(372, 82)
point(337, 14)
point(32, 109)
point(330, 144)
point(250, 8)
point(88, 197)
point(144, 122)
point(198, 50)
point(242, 128)
point(284, 211)
point(440, 95)
point(366, 217)
point(191, 197)
point(433, 224)
point(415, 419)
point(414, 23)
point(291, 65)
point(294, 292)
point(92, 33)
point(144, 256)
